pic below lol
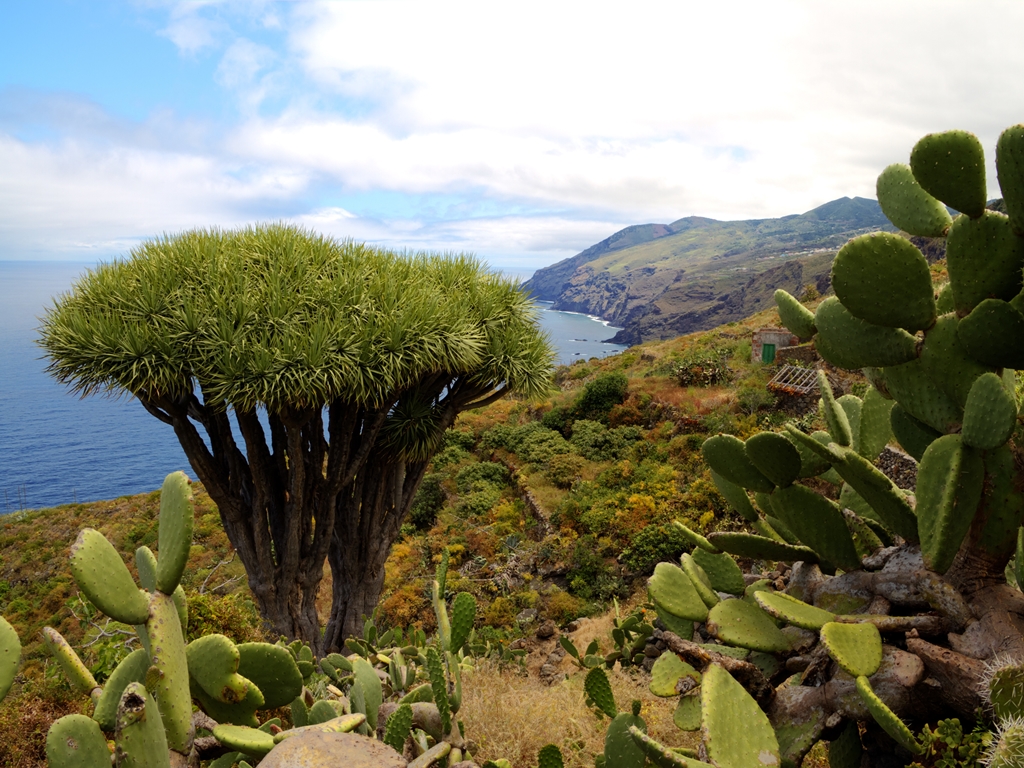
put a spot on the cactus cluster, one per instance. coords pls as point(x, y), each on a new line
point(384, 704)
point(894, 598)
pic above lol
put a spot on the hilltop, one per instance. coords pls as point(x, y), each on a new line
point(659, 281)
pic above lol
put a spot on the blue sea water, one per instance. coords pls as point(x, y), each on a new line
point(57, 448)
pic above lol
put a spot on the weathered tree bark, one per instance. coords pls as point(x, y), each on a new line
point(295, 496)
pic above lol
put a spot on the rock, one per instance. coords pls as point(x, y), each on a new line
point(546, 630)
point(517, 644)
point(572, 626)
point(526, 616)
point(316, 749)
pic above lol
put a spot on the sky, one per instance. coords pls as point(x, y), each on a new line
point(520, 131)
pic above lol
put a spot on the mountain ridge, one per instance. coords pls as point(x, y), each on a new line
point(657, 281)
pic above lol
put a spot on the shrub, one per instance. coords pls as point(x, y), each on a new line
point(596, 442)
point(600, 395)
point(500, 613)
point(652, 545)
point(558, 418)
point(428, 502)
point(476, 476)
point(564, 470)
point(459, 438)
point(561, 607)
point(478, 503)
point(234, 615)
point(703, 368)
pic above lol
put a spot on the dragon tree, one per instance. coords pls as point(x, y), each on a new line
point(901, 609)
point(308, 381)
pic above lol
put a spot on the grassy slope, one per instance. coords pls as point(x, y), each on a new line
point(560, 558)
point(698, 273)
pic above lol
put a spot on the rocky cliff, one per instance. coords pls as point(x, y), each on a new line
point(657, 281)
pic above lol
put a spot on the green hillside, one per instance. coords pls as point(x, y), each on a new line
point(659, 281)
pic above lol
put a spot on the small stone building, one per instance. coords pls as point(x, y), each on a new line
point(767, 341)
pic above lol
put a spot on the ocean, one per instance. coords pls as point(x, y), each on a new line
point(57, 448)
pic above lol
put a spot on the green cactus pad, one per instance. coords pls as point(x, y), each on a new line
point(984, 258)
point(213, 663)
point(848, 342)
point(993, 334)
point(880, 492)
point(884, 279)
point(944, 300)
point(875, 430)
point(850, 499)
point(793, 611)
point(913, 435)
point(698, 541)
point(818, 523)
point(674, 624)
point(75, 741)
point(103, 577)
point(950, 166)
point(1006, 691)
point(722, 571)
point(667, 672)
point(175, 538)
point(905, 203)
point(620, 749)
point(761, 548)
point(922, 397)
point(145, 564)
point(248, 741)
point(945, 360)
point(857, 648)
point(550, 756)
point(272, 669)
point(989, 415)
point(10, 656)
point(797, 318)
point(399, 726)
point(1008, 748)
point(726, 705)
point(300, 712)
point(687, 714)
point(819, 443)
point(835, 417)
point(886, 718)
point(463, 616)
point(672, 589)
point(737, 498)
point(662, 756)
point(865, 539)
point(168, 657)
point(726, 455)
point(419, 694)
point(778, 530)
point(140, 737)
point(700, 580)
point(242, 713)
point(321, 712)
point(372, 690)
point(599, 690)
point(846, 751)
point(950, 482)
point(1010, 170)
point(775, 457)
point(737, 622)
point(852, 405)
point(132, 669)
point(811, 464)
point(439, 688)
point(74, 669)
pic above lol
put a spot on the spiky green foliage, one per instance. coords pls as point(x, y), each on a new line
point(360, 358)
point(599, 691)
point(742, 624)
point(399, 725)
point(673, 590)
point(857, 648)
point(726, 705)
point(886, 718)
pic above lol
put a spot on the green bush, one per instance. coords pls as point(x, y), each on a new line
point(478, 503)
point(652, 545)
point(428, 502)
point(477, 476)
point(600, 396)
point(564, 470)
point(596, 442)
point(459, 438)
point(703, 368)
point(558, 418)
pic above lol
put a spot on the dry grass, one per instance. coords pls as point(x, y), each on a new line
point(512, 716)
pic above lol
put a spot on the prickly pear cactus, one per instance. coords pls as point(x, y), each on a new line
point(896, 603)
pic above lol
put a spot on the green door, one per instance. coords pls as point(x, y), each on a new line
point(767, 353)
